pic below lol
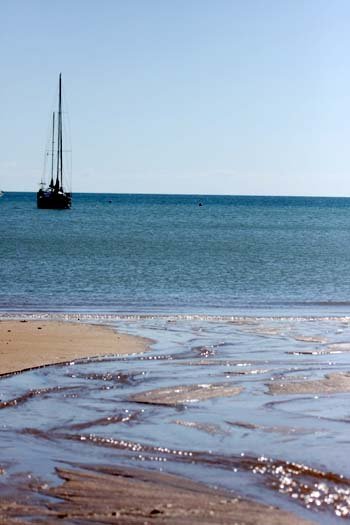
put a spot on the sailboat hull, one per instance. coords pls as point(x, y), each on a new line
point(53, 200)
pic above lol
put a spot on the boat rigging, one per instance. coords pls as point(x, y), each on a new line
point(55, 196)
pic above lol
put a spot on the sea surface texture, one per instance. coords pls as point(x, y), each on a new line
point(246, 385)
point(168, 253)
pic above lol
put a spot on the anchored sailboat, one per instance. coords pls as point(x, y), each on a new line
point(54, 196)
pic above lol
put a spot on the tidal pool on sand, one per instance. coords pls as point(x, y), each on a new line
point(240, 403)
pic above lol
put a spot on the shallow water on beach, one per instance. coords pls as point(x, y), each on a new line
point(201, 404)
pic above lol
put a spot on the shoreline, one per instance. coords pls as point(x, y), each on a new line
point(234, 314)
point(27, 344)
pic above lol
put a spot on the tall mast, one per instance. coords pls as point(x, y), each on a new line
point(53, 148)
point(61, 152)
point(58, 183)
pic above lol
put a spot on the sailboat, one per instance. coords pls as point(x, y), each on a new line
point(55, 196)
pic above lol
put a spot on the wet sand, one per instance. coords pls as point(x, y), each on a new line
point(336, 383)
point(182, 394)
point(31, 344)
point(125, 496)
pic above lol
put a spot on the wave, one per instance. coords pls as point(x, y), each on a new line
point(100, 317)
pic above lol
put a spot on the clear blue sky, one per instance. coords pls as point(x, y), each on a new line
point(180, 96)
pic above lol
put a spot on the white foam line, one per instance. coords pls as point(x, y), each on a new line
point(70, 316)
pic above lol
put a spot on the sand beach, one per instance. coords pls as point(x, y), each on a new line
point(30, 344)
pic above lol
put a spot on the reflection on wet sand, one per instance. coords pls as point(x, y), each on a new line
point(170, 411)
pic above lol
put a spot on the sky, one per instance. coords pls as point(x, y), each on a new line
point(239, 97)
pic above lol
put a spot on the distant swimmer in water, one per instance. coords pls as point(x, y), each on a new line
point(200, 204)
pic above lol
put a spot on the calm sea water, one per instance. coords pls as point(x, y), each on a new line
point(167, 253)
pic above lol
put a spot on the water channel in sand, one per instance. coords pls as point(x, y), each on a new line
point(255, 405)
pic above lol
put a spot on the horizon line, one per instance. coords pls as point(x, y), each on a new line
point(197, 194)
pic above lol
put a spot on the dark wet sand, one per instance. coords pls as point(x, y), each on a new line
point(133, 496)
point(331, 384)
point(180, 394)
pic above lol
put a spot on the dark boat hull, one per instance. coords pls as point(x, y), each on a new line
point(53, 200)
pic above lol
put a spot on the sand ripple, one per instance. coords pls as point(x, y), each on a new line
point(182, 394)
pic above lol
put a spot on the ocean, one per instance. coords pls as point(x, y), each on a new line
point(245, 293)
point(168, 254)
